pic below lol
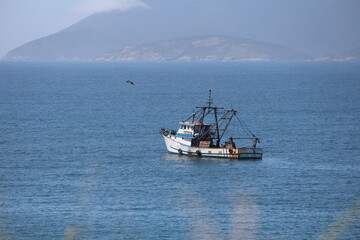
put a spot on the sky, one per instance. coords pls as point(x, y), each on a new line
point(316, 27)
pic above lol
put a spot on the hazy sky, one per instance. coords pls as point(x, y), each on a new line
point(316, 27)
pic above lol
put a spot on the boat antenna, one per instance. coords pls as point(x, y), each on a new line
point(193, 116)
point(210, 100)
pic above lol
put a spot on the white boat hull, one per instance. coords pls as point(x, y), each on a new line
point(179, 145)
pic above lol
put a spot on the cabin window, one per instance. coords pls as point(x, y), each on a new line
point(192, 127)
point(220, 152)
point(196, 129)
point(210, 151)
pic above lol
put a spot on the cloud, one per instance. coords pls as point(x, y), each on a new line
point(94, 6)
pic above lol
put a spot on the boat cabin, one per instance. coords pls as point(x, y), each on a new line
point(194, 130)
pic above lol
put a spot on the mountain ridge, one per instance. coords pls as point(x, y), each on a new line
point(205, 48)
point(143, 35)
point(349, 55)
point(136, 33)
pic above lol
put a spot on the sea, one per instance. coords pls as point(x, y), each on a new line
point(81, 156)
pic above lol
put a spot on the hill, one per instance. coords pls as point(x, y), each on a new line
point(203, 48)
point(139, 35)
point(349, 55)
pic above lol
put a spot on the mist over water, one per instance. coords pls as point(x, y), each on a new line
point(81, 156)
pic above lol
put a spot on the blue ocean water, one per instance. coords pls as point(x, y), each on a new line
point(81, 156)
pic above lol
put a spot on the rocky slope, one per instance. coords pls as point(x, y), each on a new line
point(139, 35)
point(350, 55)
point(203, 49)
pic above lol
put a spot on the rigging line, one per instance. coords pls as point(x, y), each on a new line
point(209, 110)
point(212, 127)
point(233, 128)
point(232, 115)
point(245, 127)
point(248, 132)
point(220, 127)
point(192, 115)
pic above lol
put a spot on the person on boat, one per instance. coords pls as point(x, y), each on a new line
point(256, 140)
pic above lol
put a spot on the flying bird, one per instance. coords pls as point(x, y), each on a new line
point(130, 82)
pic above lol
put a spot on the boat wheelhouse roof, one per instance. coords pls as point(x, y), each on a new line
point(193, 123)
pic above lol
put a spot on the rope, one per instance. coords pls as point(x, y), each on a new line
point(192, 115)
point(245, 127)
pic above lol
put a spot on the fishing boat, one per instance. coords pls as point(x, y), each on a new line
point(202, 133)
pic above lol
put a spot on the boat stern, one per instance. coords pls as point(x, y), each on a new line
point(249, 153)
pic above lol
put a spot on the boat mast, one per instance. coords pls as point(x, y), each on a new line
point(210, 102)
point(217, 128)
point(208, 107)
